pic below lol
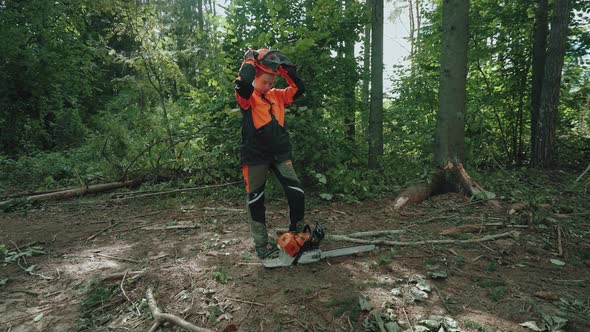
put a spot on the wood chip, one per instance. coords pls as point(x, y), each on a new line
point(547, 296)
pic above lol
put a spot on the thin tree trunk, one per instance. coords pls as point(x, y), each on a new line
point(376, 111)
point(412, 27)
point(200, 14)
point(349, 89)
point(543, 155)
point(418, 23)
point(366, 67)
point(520, 116)
point(449, 138)
point(539, 49)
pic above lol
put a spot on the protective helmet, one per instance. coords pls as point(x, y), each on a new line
point(269, 61)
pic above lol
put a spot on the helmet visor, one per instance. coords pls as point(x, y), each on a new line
point(274, 59)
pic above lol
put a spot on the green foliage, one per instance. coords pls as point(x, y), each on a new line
point(221, 277)
point(488, 283)
point(378, 322)
point(479, 327)
point(354, 305)
point(13, 256)
point(96, 295)
point(497, 293)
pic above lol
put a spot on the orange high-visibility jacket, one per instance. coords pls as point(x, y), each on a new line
point(265, 138)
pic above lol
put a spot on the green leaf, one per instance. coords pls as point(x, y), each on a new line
point(392, 327)
point(326, 196)
point(364, 303)
point(532, 325)
point(38, 318)
point(321, 178)
point(557, 262)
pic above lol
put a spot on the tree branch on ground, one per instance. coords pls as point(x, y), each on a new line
point(417, 243)
point(160, 317)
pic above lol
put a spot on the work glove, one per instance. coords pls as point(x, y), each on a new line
point(248, 69)
point(287, 69)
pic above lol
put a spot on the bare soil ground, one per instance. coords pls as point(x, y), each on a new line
point(196, 255)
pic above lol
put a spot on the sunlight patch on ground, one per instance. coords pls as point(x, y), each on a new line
point(484, 319)
point(87, 262)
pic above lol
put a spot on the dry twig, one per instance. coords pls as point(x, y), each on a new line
point(584, 172)
point(408, 319)
point(122, 288)
point(119, 258)
point(159, 316)
point(559, 247)
point(244, 301)
point(102, 231)
point(179, 190)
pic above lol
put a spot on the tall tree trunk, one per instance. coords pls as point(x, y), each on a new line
point(449, 140)
point(200, 14)
point(412, 27)
point(545, 141)
point(349, 89)
point(418, 23)
point(366, 66)
point(539, 49)
point(376, 110)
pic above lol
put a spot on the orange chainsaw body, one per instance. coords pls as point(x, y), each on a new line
point(291, 243)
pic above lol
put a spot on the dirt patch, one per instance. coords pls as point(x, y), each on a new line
point(98, 260)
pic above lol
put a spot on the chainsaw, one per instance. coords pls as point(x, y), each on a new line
point(304, 248)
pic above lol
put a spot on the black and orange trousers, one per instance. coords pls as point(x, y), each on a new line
point(255, 180)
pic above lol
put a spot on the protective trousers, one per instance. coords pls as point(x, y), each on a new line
point(255, 179)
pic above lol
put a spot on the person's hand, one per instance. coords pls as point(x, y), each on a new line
point(248, 68)
point(285, 69)
point(250, 55)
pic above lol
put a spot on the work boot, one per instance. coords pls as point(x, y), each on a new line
point(260, 237)
point(297, 227)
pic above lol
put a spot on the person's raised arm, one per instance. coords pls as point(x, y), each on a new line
point(244, 88)
point(296, 87)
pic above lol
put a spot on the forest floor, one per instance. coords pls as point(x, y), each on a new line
point(86, 265)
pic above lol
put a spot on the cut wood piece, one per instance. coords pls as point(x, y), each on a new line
point(69, 193)
point(547, 296)
point(414, 194)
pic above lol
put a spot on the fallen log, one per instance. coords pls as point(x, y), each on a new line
point(69, 193)
point(416, 243)
point(159, 316)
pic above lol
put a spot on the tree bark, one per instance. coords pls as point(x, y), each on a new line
point(349, 89)
point(543, 155)
point(412, 28)
point(376, 110)
point(366, 67)
point(539, 49)
point(449, 140)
